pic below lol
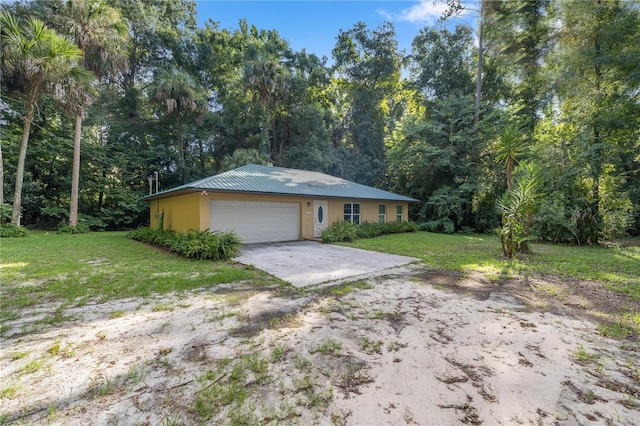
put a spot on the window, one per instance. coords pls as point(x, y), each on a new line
point(399, 216)
point(382, 213)
point(352, 212)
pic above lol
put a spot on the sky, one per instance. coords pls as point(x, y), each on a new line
point(314, 24)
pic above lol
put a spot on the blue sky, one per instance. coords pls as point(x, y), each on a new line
point(315, 24)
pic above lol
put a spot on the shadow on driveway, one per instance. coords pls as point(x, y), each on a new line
point(304, 263)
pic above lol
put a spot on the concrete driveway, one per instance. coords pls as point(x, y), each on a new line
point(304, 263)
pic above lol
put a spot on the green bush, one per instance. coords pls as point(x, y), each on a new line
point(10, 230)
point(65, 228)
point(192, 244)
point(399, 227)
point(369, 230)
point(443, 225)
point(5, 213)
point(342, 231)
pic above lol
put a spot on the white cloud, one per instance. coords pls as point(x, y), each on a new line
point(423, 12)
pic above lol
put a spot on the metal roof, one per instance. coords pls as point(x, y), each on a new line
point(257, 179)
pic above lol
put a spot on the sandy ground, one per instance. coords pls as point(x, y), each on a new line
point(405, 347)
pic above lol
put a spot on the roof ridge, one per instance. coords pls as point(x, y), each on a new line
point(274, 180)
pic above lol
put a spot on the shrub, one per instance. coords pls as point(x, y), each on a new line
point(65, 228)
point(341, 231)
point(5, 213)
point(369, 230)
point(192, 244)
point(443, 225)
point(10, 230)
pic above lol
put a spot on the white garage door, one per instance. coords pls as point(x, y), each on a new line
point(256, 221)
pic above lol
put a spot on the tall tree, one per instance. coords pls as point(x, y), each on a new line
point(270, 86)
point(101, 35)
point(368, 65)
point(518, 39)
point(34, 55)
point(442, 62)
point(597, 57)
point(181, 99)
point(457, 8)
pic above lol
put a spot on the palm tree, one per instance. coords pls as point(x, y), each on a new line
point(75, 94)
point(509, 147)
point(181, 97)
point(517, 206)
point(102, 36)
point(34, 55)
point(270, 86)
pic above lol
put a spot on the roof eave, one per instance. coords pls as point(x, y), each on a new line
point(182, 191)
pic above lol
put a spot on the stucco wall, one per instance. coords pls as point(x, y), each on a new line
point(192, 211)
point(179, 213)
point(368, 210)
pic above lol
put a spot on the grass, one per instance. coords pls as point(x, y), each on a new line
point(617, 267)
point(346, 288)
point(370, 346)
point(33, 366)
point(329, 347)
point(583, 357)
point(623, 326)
point(73, 269)
point(229, 385)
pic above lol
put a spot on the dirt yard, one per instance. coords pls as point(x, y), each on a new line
point(408, 347)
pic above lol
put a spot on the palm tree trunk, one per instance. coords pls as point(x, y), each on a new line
point(182, 161)
point(510, 173)
point(75, 174)
point(26, 130)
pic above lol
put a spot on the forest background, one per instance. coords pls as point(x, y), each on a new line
point(533, 110)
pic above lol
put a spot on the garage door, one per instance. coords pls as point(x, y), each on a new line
point(256, 221)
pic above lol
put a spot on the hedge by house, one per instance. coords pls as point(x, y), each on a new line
point(192, 244)
point(342, 231)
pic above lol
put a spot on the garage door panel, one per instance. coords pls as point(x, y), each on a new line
point(256, 221)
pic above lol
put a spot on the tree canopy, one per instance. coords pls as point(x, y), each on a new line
point(552, 91)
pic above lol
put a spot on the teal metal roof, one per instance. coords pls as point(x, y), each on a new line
point(257, 179)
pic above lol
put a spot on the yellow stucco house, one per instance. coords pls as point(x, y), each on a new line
point(269, 204)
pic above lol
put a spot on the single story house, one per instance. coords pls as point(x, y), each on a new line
point(269, 204)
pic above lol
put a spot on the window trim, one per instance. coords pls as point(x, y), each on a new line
point(399, 213)
point(382, 213)
point(350, 215)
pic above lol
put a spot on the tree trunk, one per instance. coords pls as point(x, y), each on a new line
point(274, 126)
point(1, 177)
point(75, 174)
point(476, 117)
point(475, 149)
point(26, 130)
point(202, 161)
point(597, 152)
point(182, 162)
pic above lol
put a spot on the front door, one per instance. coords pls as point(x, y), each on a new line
point(320, 213)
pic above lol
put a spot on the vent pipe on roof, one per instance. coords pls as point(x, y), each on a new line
point(151, 179)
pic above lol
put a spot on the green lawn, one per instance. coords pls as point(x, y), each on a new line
point(100, 266)
point(617, 267)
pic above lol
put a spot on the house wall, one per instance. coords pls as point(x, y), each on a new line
point(192, 211)
point(368, 210)
point(179, 213)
